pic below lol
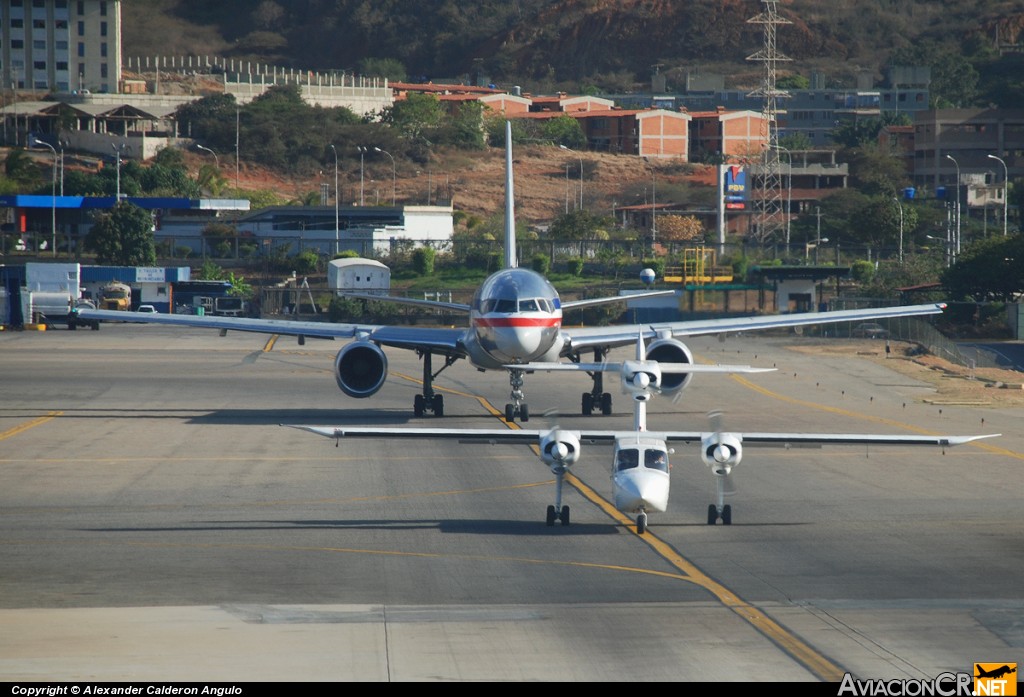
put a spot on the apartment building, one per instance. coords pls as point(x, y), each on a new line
point(60, 45)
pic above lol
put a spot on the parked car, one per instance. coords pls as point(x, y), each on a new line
point(870, 330)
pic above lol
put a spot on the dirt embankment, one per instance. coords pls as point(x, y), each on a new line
point(953, 383)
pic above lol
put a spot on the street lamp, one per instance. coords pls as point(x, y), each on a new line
point(53, 197)
point(362, 154)
point(900, 206)
point(393, 174)
point(581, 171)
point(337, 235)
point(956, 244)
point(1006, 183)
point(215, 158)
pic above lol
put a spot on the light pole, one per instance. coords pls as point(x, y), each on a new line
point(956, 242)
point(53, 197)
point(337, 235)
point(393, 174)
point(900, 207)
point(1006, 185)
point(362, 154)
point(581, 171)
point(789, 189)
point(215, 158)
point(118, 149)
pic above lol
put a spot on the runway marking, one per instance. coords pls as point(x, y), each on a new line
point(11, 432)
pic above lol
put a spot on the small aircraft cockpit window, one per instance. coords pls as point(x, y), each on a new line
point(627, 459)
point(656, 460)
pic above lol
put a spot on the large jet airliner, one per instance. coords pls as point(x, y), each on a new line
point(515, 318)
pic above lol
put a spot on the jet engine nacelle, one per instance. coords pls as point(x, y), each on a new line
point(721, 452)
point(360, 369)
point(671, 351)
point(559, 449)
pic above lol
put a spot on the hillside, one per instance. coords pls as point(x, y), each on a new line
point(551, 44)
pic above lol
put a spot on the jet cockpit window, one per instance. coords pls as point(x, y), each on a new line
point(656, 460)
point(627, 459)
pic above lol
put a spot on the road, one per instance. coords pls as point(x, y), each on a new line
point(158, 524)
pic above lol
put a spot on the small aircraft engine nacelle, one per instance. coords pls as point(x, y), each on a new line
point(721, 452)
point(671, 351)
point(559, 449)
point(360, 369)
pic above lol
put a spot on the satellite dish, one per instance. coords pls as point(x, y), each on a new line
point(647, 276)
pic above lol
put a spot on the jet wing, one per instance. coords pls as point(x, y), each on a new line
point(581, 338)
point(576, 304)
point(441, 340)
point(435, 304)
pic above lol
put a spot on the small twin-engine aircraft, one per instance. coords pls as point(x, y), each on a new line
point(515, 318)
point(640, 460)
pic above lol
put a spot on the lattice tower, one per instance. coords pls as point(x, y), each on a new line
point(767, 193)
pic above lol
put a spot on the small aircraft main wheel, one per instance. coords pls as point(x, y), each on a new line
point(438, 404)
point(641, 523)
point(418, 404)
point(510, 413)
point(551, 516)
point(565, 516)
point(712, 514)
point(727, 515)
point(606, 404)
point(588, 404)
point(524, 412)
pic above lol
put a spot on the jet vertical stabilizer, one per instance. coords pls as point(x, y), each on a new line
point(510, 206)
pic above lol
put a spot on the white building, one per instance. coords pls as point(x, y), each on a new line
point(61, 45)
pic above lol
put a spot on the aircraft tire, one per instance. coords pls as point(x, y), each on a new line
point(712, 514)
point(418, 403)
point(524, 412)
point(565, 516)
point(438, 404)
point(606, 404)
point(588, 404)
point(727, 515)
point(551, 516)
point(510, 414)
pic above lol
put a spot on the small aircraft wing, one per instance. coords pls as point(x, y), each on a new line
point(813, 440)
point(506, 436)
point(617, 367)
point(581, 338)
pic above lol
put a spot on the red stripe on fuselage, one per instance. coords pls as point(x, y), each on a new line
point(517, 321)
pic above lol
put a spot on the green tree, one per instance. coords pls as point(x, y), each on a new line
point(123, 237)
point(990, 269)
